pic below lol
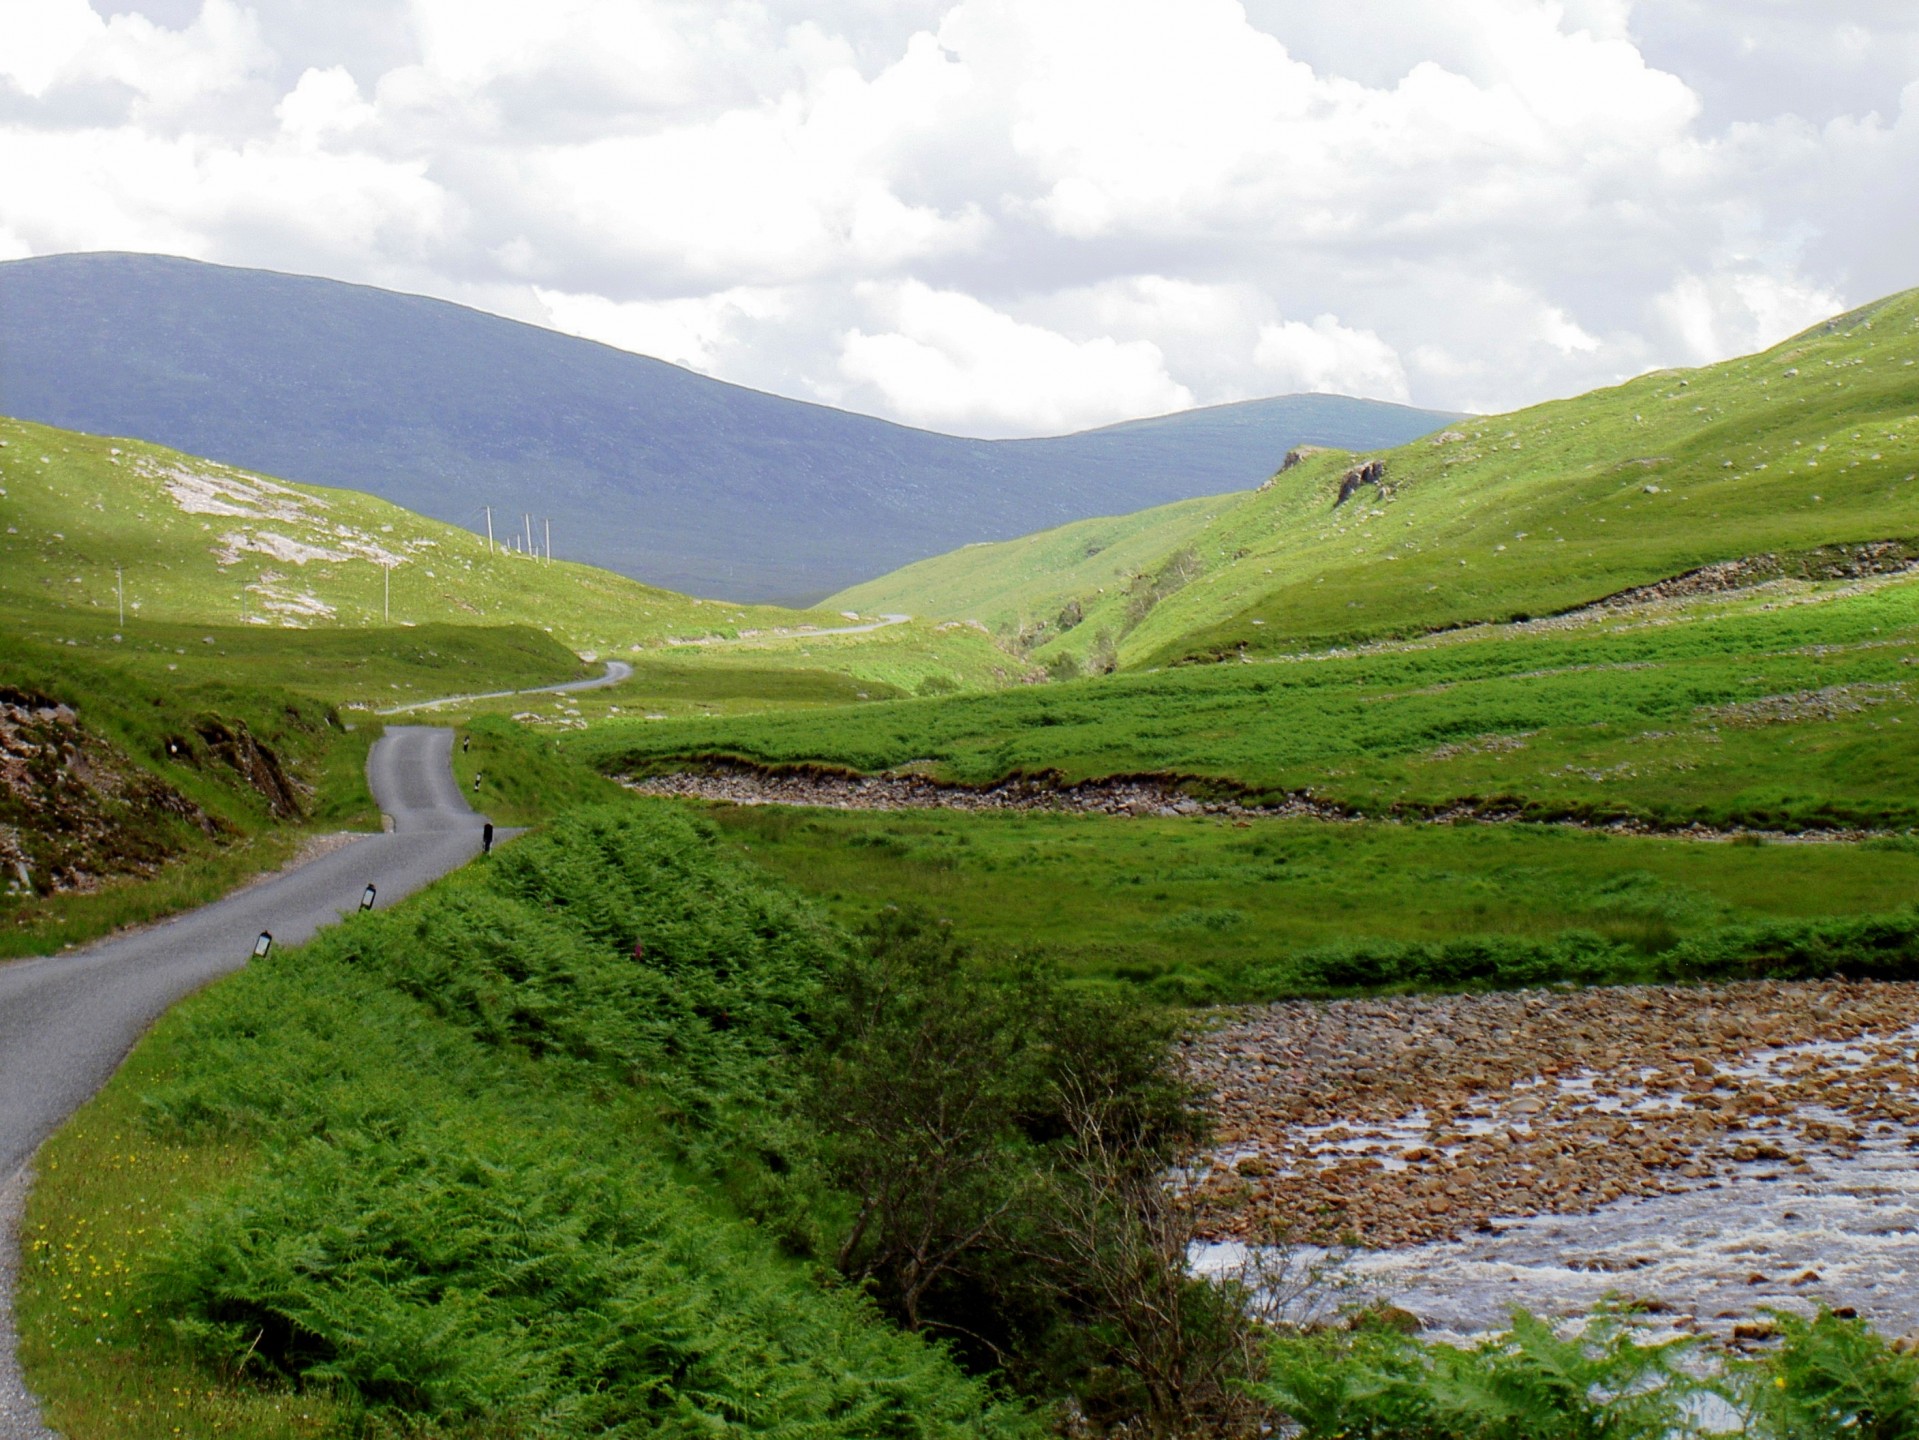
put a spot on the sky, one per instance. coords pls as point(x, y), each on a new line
point(1012, 217)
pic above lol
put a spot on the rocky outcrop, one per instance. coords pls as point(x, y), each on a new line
point(1137, 795)
point(74, 809)
point(234, 745)
point(1373, 472)
point(1828, 562)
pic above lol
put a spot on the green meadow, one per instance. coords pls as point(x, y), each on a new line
point(1789, 710)
point(1201, 909)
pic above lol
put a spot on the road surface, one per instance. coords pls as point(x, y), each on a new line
point(67, 1020)
point(616, 671)
point(784, 634)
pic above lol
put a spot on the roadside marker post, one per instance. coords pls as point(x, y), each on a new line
point(262, 945)
point(486, 838)
point(367, 899)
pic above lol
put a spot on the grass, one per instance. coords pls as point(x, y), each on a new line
point(467, 1168)
point(1017, 585)
point(756, 675)
point(1786, 709)
point(521, 778)
point(1811, 443)
point(1196, 908)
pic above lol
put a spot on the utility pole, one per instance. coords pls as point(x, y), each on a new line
point(549, 540)
point(489, 528)
point(120, 590)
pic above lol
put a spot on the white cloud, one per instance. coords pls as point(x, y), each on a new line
point(1002, 215)
point(951, 361)
point(324, 103)
point(38, 41)
point(1327, 356)
point(1728, 313)
point(697, 332)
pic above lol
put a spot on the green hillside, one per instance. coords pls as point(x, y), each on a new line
point(1017, 586)
point(325, 591)
point(1813, 443)
point(203, 543)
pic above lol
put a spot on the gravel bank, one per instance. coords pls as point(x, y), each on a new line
point(735, 784)
point(1410, 1120)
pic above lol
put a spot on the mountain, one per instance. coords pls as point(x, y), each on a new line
point(1801, 461)
point(645, 468)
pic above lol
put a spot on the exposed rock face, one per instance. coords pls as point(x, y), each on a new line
point(1373, 472)
point(235, 745)
point(1829, 562)
point(74, 809)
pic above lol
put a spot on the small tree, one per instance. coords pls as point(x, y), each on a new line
point(916, 1100)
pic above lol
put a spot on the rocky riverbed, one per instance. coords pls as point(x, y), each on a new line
point(1715, 1150)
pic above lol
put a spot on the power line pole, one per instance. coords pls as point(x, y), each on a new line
point(489, 528)
point(549, 540)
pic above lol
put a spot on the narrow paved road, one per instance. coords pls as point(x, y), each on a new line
point(67, 1020)
point(616, 671)
point(784, 634)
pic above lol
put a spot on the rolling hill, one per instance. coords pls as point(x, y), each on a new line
point(645, 468)
point(124, 547)
point(1754, 464)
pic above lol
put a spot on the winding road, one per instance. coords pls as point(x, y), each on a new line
point(67, 1020)
point(616, 671)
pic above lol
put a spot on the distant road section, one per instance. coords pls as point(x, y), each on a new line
point(616, 671)
point(67, 1020)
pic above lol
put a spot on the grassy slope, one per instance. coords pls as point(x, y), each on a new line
point(1006, 584)
point(301, 567)
point(1813, 442)
point(75, 506)
point(1711, 711)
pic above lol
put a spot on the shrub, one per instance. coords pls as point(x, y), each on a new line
point(1526, 1383)
point(1834, 1378)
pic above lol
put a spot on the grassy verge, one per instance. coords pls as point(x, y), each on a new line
point(521, 777)
point(47, 923)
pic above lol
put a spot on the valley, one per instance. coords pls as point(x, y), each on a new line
point(1447, 863)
